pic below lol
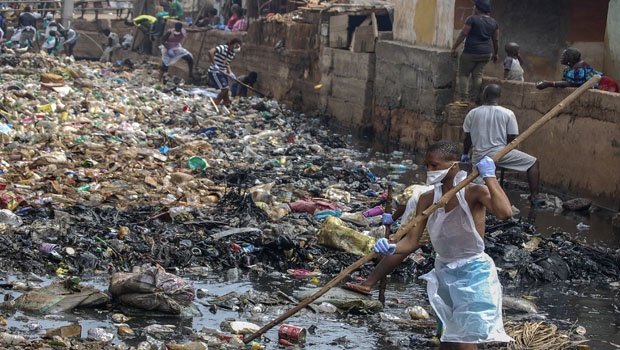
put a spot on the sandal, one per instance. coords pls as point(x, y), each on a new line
point(355, 287)
point(459, 104)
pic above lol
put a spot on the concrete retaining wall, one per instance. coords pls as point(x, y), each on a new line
point(423, 79)
point(348, 86)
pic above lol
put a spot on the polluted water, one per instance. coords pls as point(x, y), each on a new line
point(153, 220)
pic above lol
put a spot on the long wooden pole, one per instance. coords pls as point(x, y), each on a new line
point(245, 85)
point(388, 209)
point(440, 203)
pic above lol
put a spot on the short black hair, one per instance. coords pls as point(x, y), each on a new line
point(27, 8)
point(573, 55)
point(239, 12)
point(213, 11)
point(447, 149)
point(178, 26)
point(106, 31)
point(234, 41)
point(491, 93)
point(511, 47)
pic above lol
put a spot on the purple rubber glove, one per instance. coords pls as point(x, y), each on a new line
point(486, 167)
point(386, 219)
point(384, 247)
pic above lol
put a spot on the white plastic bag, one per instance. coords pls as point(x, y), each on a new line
point(467, 298)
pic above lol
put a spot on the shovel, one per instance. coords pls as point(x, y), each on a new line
point(425, 214)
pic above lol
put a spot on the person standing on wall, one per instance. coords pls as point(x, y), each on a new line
point(481, 36)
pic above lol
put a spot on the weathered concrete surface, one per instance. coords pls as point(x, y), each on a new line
point(347, 86)
point(423, 78)
point(579, 151)
point(423, 22)
point(88, 45)
point(612, 39)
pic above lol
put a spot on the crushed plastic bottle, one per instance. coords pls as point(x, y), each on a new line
point(196, 345)
point(582, 227)
point(100, 334)
point(10, 218)
point(11, 339)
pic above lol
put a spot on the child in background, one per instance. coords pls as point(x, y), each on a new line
point(512, 62)
point(237, 89)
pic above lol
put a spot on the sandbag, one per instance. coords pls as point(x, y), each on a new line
point(152, 289)
point(151, 301)
point(335, 235)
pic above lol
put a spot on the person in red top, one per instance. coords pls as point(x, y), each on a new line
point(234, 18)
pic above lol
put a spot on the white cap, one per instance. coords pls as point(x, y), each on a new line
point(49, 16)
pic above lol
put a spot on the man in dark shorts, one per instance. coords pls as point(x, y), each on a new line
point(488, 129)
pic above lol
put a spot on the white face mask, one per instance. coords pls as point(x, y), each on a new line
point(237, 49)
point(435, 176)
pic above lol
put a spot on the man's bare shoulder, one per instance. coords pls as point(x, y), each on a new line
point(426, 199)
point(473, 192)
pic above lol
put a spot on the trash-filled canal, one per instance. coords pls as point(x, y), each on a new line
point(224, 295)
point(137, 215)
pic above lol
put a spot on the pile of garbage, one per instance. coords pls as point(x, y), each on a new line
point(104, 168)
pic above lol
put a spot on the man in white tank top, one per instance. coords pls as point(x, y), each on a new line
point(463, 288)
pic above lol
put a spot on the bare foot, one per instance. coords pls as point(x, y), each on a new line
point(358, 288)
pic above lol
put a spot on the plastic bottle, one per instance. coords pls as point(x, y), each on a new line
point(374, 211)
point(50, 249)
point(100, 334)
point(11, 339)
point(9, 218)
point(247, 248)
point(370, 175)
point(188, 346)
point(397, 167)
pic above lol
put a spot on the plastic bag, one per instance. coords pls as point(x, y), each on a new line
point(337, 195)
point(357, 218)
point(473, 285)
point(262, 193)
point(320, 215)
point(61, 296)
point(335, 235)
